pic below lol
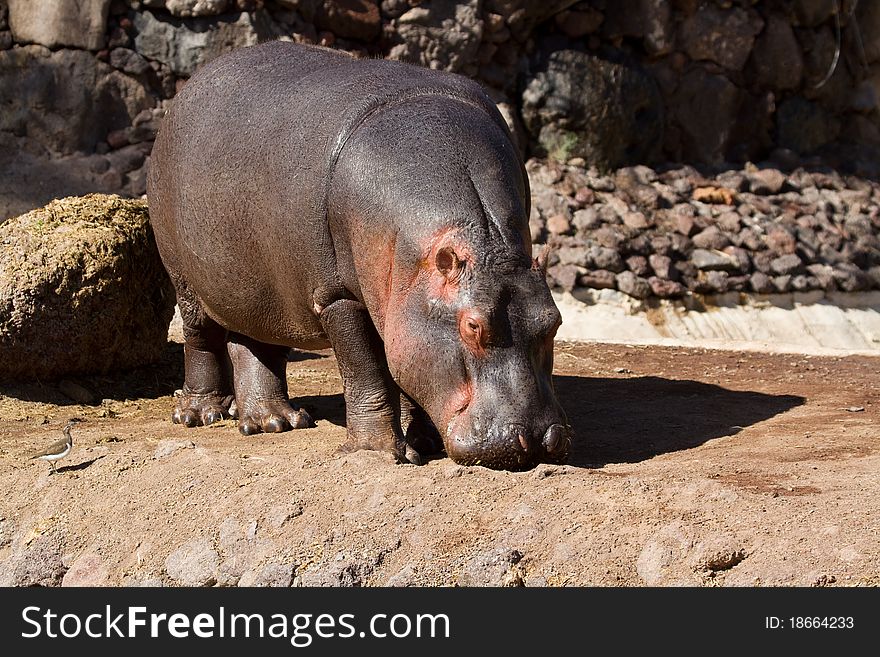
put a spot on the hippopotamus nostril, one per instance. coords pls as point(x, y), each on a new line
point(555, 439)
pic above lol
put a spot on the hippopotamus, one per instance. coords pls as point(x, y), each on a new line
point(304, 198)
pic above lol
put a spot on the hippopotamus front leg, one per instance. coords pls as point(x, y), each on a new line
point(207, 388)
point(261, 387)
point(420, 432)
point(372, 399)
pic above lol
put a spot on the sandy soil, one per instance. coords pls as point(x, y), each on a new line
point(689, 467)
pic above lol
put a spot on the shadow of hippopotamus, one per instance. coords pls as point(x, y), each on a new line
point(631, 420)
point(634, 419)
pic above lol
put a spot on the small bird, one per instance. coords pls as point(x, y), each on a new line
point(57, 450)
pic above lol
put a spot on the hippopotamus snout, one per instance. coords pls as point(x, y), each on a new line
point(509, 445)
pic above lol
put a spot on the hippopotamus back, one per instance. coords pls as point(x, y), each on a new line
point(242, 165)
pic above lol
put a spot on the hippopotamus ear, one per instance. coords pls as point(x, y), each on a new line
point(540, 263)
point(448, 263)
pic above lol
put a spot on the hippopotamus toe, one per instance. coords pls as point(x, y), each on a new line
point(273, 417)
point(195, 410)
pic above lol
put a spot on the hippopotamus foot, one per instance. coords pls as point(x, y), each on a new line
point(261, 402)
point(194, 409)
point(207, 390)
point(273, 416)
point(372, 404)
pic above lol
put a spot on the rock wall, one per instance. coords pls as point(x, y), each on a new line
point(588, 86)
point(84, 84)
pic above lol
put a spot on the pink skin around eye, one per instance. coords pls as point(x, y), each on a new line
point(473, 330)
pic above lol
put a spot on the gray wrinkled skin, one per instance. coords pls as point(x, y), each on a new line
point(302, 198)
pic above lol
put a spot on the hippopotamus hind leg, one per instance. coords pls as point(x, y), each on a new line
point(261, 387)
point(207, 389)
point(372, 399)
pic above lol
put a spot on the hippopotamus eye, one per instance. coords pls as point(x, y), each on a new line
point(474, 331)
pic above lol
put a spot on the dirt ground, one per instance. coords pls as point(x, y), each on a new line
point(689, 467)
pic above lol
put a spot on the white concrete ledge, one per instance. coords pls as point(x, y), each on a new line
point(820, 323)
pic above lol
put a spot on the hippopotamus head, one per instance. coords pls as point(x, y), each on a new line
point(465, 313)
point(481, 365)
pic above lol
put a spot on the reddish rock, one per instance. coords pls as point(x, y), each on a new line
point(760, 283)
point(634, 286)
point(737, 283)
point(711, 238)
point(565, 276)
point(117, 139)
point(787, 264)
point(559, 224)
point(572, 255)
point(577, 24)
point(609, 237)
point(586, 219)
point(741, 256)
point(685, 224)
point(584, 196)
point(350, 19)
point(751, 240)
point(605, 258)
point(781, 283)
point(681, 244)
point(729, 222)
point(666, 289)
point(716, 281)
point(780, 241)
point(767, 181)
point(89, 569)
point(635, 220)
point(662, 266)
point(599, 279)
point(638, 265)
point(762, 260)
point(661, 245)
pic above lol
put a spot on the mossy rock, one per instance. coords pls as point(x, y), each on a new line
point(578, 105)
point(82, 290)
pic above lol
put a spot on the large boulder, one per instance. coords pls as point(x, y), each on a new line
point(350, 19)
point(804, 126)
point(521, 16)
point(650, 20)
point(724, 36)
point(55, 23)
point(706, 108)
point(80, 99)
point(184, 45)
point(810, 13)
point(443, 35)
point(777, 61)
point(868, 20)
point(577, 105)
point(82, 290)
point(196, 7)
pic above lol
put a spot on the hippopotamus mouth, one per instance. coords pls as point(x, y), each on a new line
point(502, 445)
